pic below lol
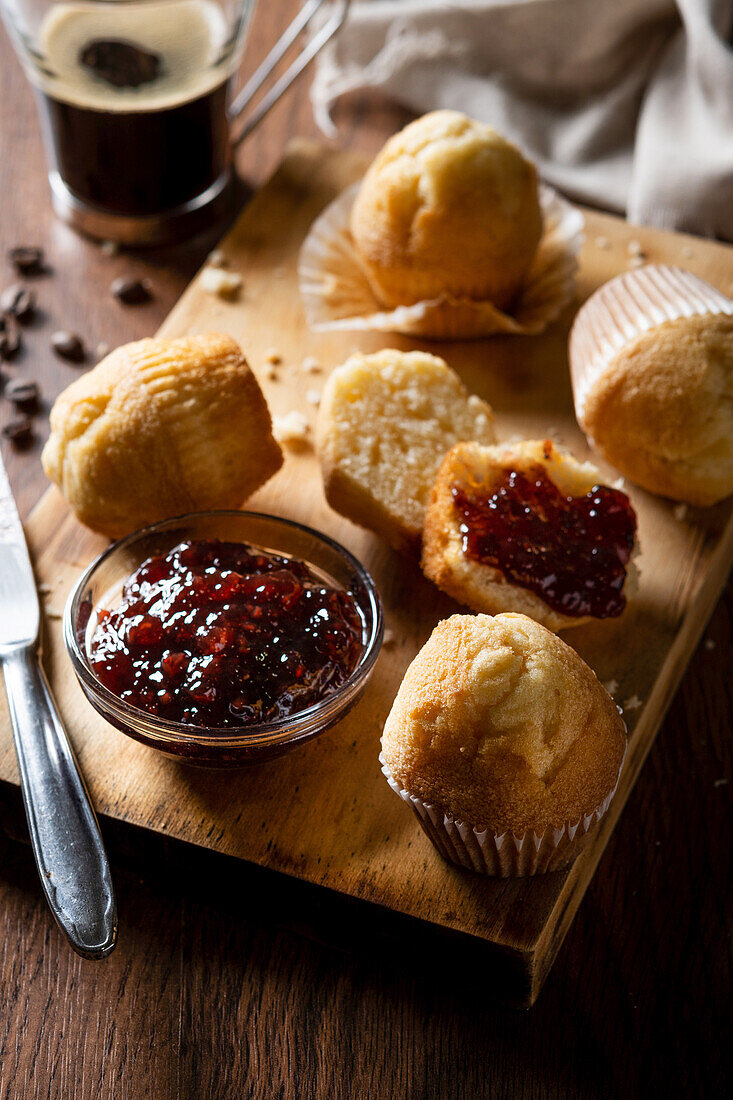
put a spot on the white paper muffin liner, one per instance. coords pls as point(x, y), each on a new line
point(623, 309)
point(503, 855)
point(337, 295)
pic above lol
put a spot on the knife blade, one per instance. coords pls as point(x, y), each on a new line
point(67, 844)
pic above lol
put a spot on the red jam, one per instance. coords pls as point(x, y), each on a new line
point(571, 551)
point(224, 634)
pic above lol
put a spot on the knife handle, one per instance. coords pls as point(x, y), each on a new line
point(65, 835)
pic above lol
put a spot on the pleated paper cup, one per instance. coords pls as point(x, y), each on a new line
point(625, 308)
point(502, 855)
point(337, 295)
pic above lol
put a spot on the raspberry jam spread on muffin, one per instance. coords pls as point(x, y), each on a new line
point(224, 634)
point(572, 551)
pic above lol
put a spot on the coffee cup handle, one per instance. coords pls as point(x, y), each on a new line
point(243, 98)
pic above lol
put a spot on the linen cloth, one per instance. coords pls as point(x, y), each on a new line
point(623, 104)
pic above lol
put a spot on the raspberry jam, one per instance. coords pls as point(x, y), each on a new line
point(224, 634)
point(571, 551)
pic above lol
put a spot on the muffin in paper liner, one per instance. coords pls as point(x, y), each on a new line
point(337, 295)
point(625, 308)
point(504, 855)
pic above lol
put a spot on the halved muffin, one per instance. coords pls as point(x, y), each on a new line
point(528, 528)
point(384, 424)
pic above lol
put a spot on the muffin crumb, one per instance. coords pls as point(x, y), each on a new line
point(224, 284)
point(291, 429)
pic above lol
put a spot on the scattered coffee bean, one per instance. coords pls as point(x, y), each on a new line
point(27, 260)
point(19, 432)
point(9, 337)
point(132, 292)
point(20, 302)
point(68, 345)
point(122, 64)
point(21, 393)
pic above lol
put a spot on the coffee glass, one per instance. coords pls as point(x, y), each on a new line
point(137, 107)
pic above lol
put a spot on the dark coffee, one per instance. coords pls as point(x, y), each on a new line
point(134, 102)
point(140, 162)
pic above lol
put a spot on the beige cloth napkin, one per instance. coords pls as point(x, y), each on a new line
point(624, 104)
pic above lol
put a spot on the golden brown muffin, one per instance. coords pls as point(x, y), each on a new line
point(159, 428)
point(385, 422)
point(661, 410)
point(501, 725)
point(477, 470)
point(448, 207)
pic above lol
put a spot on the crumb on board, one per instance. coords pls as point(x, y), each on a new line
point(680, 512)
point(389, 638)
point(611, 687)
point(273, 356)
point(313, 397)
point(54, 613)
point(311, 365)
point(634, 248)
point(109, 248)
point(291, 429)
point(602, 242)
point(225, 284)
point(710, 644)
point(217, 258)
point(637, 261)
point(102, 350)
point(687, 252)
point(44, 589)
point(632, 703)
point(270, 374)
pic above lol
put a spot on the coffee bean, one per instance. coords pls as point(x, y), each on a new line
point(19, 432)
point(20, 302)
point(68, 345)
point(27, 260)
point(122, 64)
point(132, 292)
point(21, 393)
point(9, 337)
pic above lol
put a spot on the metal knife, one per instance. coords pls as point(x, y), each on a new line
point(64, 832)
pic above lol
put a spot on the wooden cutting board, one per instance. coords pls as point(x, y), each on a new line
point(324, 814)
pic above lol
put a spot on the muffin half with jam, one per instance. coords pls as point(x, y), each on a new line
point(528, 528)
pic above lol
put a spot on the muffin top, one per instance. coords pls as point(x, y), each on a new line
point(448, 206)
point(662, 411)
point(503, 726)
point(158, 428)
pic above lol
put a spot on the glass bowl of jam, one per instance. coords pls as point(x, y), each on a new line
point(224, 638)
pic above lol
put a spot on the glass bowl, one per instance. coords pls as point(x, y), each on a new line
point(99, 587)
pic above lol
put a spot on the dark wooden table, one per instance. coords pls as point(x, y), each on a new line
point(204, 999)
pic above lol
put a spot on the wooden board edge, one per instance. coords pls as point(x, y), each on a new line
point(327, 916)
point(665, 688)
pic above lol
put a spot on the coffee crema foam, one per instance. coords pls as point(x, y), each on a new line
point(190, 37)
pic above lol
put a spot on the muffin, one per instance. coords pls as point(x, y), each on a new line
point(449, 207)
point(504, 743)
point(384, 424)
point(651, 357)
point(159, 428)
point(527, 528)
